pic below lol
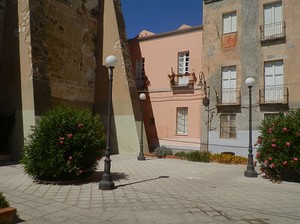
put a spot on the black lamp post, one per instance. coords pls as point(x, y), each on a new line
point(141, 154)
point(250, 172)
point(106, 183)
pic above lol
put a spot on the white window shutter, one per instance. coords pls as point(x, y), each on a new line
point(226, 24)
point(233, 23)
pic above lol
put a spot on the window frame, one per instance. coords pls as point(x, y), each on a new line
point(274, 92)
point(231, 129)
point(230, 28)
point(230, 93)
point(179, 125)
point(185, 64)
point(140, 68)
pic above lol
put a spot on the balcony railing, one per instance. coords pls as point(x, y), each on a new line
point(272, 31)
point(274, 95)
point(229, 97)
point(182, 81)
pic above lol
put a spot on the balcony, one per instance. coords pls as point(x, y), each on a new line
point(272, 32)
point(274, 95)
point(228, 101)
point(180, 82)
point(229, 97)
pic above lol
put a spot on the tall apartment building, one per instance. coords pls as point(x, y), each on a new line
point(253, 38)
point(167, 68)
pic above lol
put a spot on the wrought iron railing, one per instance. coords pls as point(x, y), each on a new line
point(272, 31)
point(274, 94)
point(229, 96)
point(182, 80)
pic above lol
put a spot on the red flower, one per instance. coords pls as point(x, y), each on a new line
point(69, 135)
point(270, 158)
point(259, 140)
point(61, 142)
point(284, 163)
point(295, 159)
point(257, 154)
point(284, 130)
point(287, 144)
point(266, 162)
point(272, 165)
point(270, 130)
point(273, 145)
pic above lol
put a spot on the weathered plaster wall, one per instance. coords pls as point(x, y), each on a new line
point(245, 55)
point(249, 56)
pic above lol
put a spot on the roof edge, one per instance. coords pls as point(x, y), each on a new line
point(175, 32)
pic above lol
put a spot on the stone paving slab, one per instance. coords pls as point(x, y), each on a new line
point(159, 191)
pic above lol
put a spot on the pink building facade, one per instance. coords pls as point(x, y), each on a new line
point(167, 68)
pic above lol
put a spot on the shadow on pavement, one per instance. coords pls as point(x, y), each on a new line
point(141, 181)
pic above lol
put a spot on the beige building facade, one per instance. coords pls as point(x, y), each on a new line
point(53, 52)
point(241, 39)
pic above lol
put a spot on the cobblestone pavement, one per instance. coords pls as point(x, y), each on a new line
point(157, 191)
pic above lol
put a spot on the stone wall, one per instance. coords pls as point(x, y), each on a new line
point(2, 16)
point(63, 41)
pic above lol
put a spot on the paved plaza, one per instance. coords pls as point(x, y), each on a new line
point(157, 191)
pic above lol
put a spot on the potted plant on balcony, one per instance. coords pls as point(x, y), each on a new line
point(7, 213)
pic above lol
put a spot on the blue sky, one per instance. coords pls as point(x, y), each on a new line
point(160, 16)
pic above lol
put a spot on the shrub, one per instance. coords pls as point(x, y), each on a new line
point(162, 151)
point(198, 156)
point(64, 145)
point(279, 147)
point(3, 202)
point(181, 154)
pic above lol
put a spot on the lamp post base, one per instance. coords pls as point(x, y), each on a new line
point(141, 157)
point(106, 183)
point(250, 172)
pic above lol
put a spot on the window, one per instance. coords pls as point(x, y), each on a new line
point(183, 62)
point(229, 84)
point(229, 23)
point(274, 89)
point(228, 126)
point(273, 21)
point(182, 121)
point(140, 68)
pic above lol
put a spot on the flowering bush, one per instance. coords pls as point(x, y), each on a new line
point(228, 158)
point(64, 145)
point(279, 147)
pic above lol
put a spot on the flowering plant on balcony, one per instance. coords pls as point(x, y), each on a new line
point(64, 145)
point(279, 147)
